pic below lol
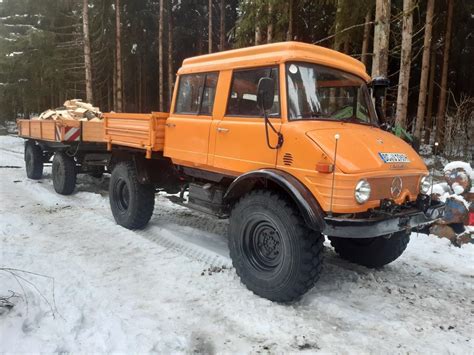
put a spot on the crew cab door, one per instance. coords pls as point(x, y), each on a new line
point(240, 143)
point(187, 128)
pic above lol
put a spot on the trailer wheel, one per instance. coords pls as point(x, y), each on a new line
point(64, 173)
point(275, 255)
point(371, 252)
point(33, 160)
point(132, 203)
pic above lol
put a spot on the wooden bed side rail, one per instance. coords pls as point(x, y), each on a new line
point(133, 130)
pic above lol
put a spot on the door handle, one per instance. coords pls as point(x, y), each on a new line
point(170, 125)
point(222, 130)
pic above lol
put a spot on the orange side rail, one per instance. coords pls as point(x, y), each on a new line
point(141, 131)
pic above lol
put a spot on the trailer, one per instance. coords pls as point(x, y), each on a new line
point(72, 147)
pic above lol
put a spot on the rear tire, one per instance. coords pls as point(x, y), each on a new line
point(34, 160)
point(371, 252)
point(275, 255)
point(132, 203)
point(64, 173)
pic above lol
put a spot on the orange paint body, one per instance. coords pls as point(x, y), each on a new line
point(237, 145)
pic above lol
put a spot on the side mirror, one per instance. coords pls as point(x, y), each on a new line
point(265, 93)
point(379, 91)
point(379, 87)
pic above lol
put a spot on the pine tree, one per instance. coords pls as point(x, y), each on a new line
point(440, 119)
point(425, 67)
point(222, 26)
point(210, 26)
point(118, 55)
point(160, 57)
point(87, 51)
point(381, 38)
point(405, 64)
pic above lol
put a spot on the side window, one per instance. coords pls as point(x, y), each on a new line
point(209, 94)
point(243, 93)
point(189, 93)
point(196, 94)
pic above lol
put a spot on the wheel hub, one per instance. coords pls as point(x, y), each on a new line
point(262, 245)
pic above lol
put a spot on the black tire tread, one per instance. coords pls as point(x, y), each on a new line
point(383, 252)
point(312, 258)
point(144, 196)
point(68, 165)
point(34, 170)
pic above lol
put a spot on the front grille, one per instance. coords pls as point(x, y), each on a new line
point(381, 186)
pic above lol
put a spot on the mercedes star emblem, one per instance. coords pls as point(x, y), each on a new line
point(396, 188)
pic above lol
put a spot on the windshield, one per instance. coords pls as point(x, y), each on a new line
point(321, 93)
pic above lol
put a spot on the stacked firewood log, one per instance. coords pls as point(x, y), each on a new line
point(72, 110)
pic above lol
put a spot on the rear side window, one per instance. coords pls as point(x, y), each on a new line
point(196, 94)
point(243, 94)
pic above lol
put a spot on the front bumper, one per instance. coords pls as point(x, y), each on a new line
point(382, 223)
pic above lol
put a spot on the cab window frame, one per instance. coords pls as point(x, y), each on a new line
point(290, 119)
point(277, 86)
point(201, 94)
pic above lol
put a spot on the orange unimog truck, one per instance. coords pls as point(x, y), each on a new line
point(285, 141)
point(282, 139)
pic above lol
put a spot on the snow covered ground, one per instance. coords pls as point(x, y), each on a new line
point(170, 287)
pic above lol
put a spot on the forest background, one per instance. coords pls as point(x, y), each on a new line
point(122, 55)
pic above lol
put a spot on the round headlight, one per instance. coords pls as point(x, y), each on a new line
point(362, 191)
point(425, 185)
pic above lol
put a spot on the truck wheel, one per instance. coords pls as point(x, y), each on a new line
point(371, 252)
point(64, 173)
point(132, 203)
point(275, 255)
point(33, 161)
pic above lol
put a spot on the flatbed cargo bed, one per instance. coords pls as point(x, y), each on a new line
point(64, 131)
point(140, 131)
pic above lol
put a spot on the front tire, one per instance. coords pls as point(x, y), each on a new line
point(64, 173)
point(275, 255)
point(132, 203)
point(34, 160)
point(371, 252)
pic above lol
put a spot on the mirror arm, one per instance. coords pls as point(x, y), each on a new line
point(280, 136)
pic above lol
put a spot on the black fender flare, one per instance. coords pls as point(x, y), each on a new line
point(305, 201)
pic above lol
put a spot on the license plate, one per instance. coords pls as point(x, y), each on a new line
point(394, 158)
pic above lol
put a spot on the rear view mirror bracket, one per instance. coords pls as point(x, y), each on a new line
point(265, 100)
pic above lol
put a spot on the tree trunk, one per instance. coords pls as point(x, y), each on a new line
point(337, 38)
point(405, 64)
point(270, 23)
point(425, 68)
point(118, 65)
point(289, 34)
point(210, 25)
point(258, 31)
point(440, 120)
point(87, 51)
point(222, 26)
point(365, 40)
point(140, 82)
point(160, 57)
point(429, 109)
point(170, 53)
point(114, 83)
point(381, 38)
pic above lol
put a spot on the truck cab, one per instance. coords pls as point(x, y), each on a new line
point(283, 139)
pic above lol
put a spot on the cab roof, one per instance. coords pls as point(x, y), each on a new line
point(271, 54)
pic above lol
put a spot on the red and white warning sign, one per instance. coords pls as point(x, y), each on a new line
point(68, 134)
